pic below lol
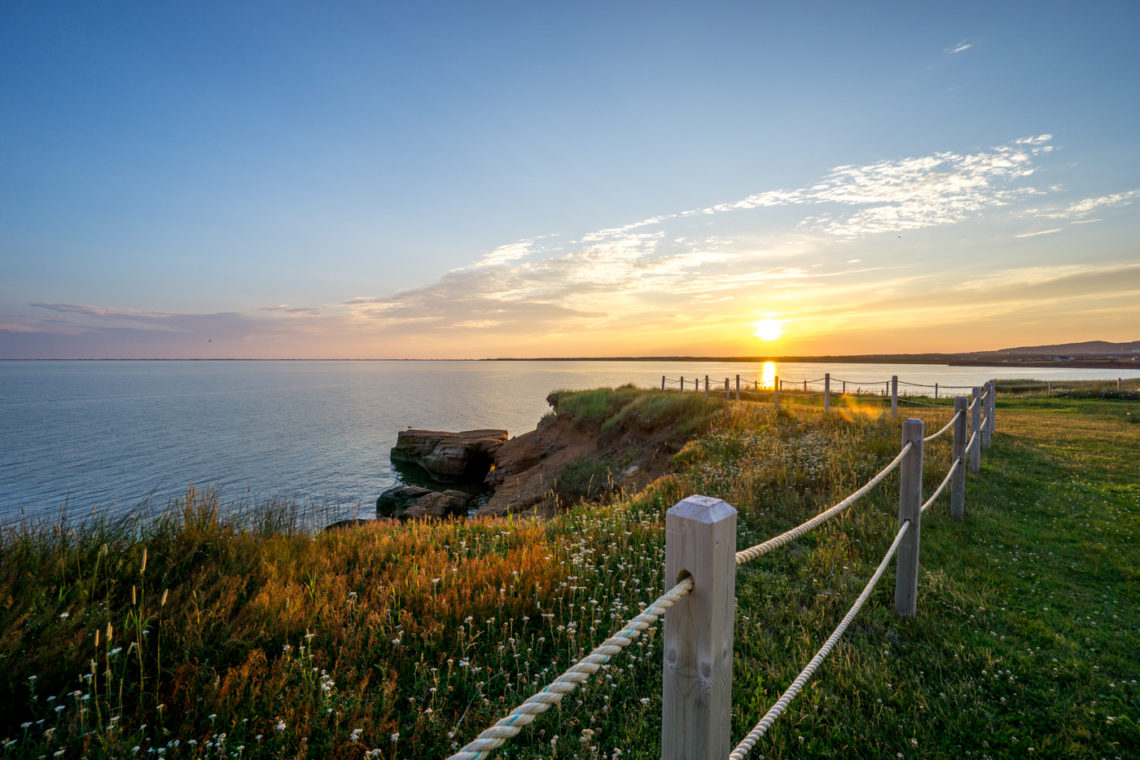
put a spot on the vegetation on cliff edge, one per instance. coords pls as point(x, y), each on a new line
point(199, 635)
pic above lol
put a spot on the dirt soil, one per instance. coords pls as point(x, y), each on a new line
point(530, 472)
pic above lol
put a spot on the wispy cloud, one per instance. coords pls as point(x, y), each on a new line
point(961, 47)
point(1081, 209)
point(294, 310)
point(655, 276)
point(1038, 233)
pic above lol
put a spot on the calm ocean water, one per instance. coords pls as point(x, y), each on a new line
point(115, 435)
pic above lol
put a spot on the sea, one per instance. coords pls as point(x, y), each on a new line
point(115, 437)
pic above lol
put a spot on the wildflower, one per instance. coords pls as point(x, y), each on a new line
point(64, 615)
point(280, 725)
point(396, 737)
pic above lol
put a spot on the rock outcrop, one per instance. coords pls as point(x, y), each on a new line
point(464, 457)
point(404, 502)
point(527, 466)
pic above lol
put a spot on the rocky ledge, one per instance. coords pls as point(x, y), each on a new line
point(561, 462)
point(464, 457)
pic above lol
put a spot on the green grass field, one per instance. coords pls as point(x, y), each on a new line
point(193, 635)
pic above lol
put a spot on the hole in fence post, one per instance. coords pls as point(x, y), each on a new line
point(700, 537)
point(910, 508)
point(958, 480)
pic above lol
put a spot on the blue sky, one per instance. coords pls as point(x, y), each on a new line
point(466, 180)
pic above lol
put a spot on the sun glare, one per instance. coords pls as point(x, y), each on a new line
point(768, 375)
point(769, 329)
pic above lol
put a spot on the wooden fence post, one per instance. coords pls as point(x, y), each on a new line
point(706, 386)
point(958, 452)
point(1050, 387)
point(936, 391)
point(992, 416)
point(738, 387)
point(805, 386)
point(700, 541)
point(1119, 384)
point(776, 390)
point(827, 391)
point(910, 508)
point(894, 396)
point(662, 382)
point(682, 383)
point(984, 433)
point(975, 418)
point(726, 387)
point(844, 387)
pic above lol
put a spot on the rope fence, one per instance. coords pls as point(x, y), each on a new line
point(827, 385)
point(699, 610)
point(749, 741)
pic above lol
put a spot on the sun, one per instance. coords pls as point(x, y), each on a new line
point(769, 329)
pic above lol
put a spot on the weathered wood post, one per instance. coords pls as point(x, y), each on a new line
point(894, 396)
point(776, 391)
point(844, 387)
point(738, 387)
point(936, 391)
point(682, 383)
point(706, 386)
point(700, 541)
point(827, 391)
point(726, 387)
point(662, 382)
point(1050, 387)
point(1119, 384)
point(805, 386)
point(910, 508)
point(958, 454)
point(984, 432)
point(988, 411)
point(975, 419)
point(993, 407)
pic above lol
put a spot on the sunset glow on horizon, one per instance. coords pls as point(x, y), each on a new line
point(769, 329)
point(395, 182)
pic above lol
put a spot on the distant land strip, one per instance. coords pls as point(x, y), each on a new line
point(954, 360)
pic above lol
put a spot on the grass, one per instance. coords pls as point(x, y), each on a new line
point(198, 635)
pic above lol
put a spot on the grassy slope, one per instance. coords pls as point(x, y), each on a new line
point(421, 635)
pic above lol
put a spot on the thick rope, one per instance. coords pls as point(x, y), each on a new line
point(910, 401)
point(949, 425)
point(579, 673)
point(766, 722)
point(938, 491)
point(747, 555)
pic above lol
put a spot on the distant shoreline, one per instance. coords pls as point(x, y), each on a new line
point(956, 360)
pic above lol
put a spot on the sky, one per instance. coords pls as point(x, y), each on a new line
point(520, 179)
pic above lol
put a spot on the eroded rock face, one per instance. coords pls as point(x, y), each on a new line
point(527, 467)
point(405, 502)
point(463, 457)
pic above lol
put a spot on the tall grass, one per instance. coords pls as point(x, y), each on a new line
point(202, 634)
